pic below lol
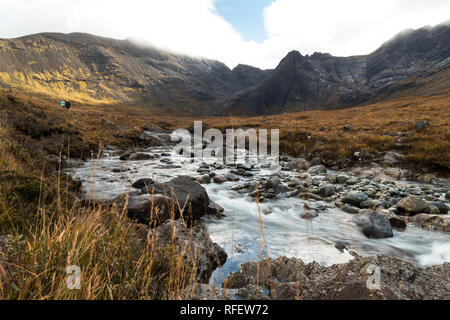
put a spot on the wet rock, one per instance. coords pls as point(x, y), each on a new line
point(433, 210)
point(354, 197)
point(214, 209)
point(143, 183)
point(196, 245)
point(373, 224)
point(369, 204)
point(412, 205)
point(447, 195)
point(204, 179)
point(342, 178)
point(136, 156)
point(350, 209)
point(327, 190)
point(340, 246)
point(317, 170)
point(395, 221)
point(266, 210)
point(441, 206)
point(272, 183)
point(291, 279)
point(309, 214)
point(188, 193)
point(219, 179)
point(331, 178)
point(429, 222)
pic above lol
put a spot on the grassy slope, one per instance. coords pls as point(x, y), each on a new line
point(47, 228)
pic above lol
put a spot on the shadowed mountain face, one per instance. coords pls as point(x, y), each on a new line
point(92, 69)
point(98, 70)
point(412, 63)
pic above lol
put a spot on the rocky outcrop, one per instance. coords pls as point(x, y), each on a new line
point(364, 278)
point(194, 243)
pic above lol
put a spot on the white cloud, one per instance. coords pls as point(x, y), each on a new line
point(344, 27)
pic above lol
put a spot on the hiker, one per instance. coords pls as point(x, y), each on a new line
point(63, 103)
point(67, 105)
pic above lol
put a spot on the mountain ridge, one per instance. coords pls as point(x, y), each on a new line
point(98, 70)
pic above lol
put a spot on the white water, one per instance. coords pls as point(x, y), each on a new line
point(284, 233)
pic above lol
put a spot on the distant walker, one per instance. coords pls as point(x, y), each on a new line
point(65, 104)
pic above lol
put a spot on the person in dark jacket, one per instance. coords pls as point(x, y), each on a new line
point(67, 105)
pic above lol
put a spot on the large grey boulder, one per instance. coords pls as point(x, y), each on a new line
point(156, 203)
point(320, 169)
point(373, 224)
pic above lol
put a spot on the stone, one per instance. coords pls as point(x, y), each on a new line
point(373, 224)
point(195, 244)
point(412, 205)
point(350, 209)
point(342, 178)
point(442, 207)
point(219, 179)
point(355, 197)
point(204, 179)
point(143, 183)
point(309, 214)
point(317, 170)
point(298, 165)
point(327, 190)
point(429, 222)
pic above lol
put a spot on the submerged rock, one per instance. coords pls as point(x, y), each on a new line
point(373, 224)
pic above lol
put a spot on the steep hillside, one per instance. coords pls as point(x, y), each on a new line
point(412, 63)
point(98, 70)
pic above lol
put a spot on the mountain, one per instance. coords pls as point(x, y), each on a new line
point(93, 69)
point(96, 70)
point(413, 62)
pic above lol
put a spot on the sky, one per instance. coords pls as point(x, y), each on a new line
point(254, 32)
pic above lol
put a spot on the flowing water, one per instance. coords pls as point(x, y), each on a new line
point(247, 234)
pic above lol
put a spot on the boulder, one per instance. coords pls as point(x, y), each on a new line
point(441, 206)
point(219, 179)
point(395, 221)
point(412, 205)
point(429, 222)
point(373, 224)
point(191, 199)
point(139, 156)
point(355, 198)
point(320, 169)
point(327, 190)
point(143, 183)
point(204, 179)
point(348, 208)
point(195, 244)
